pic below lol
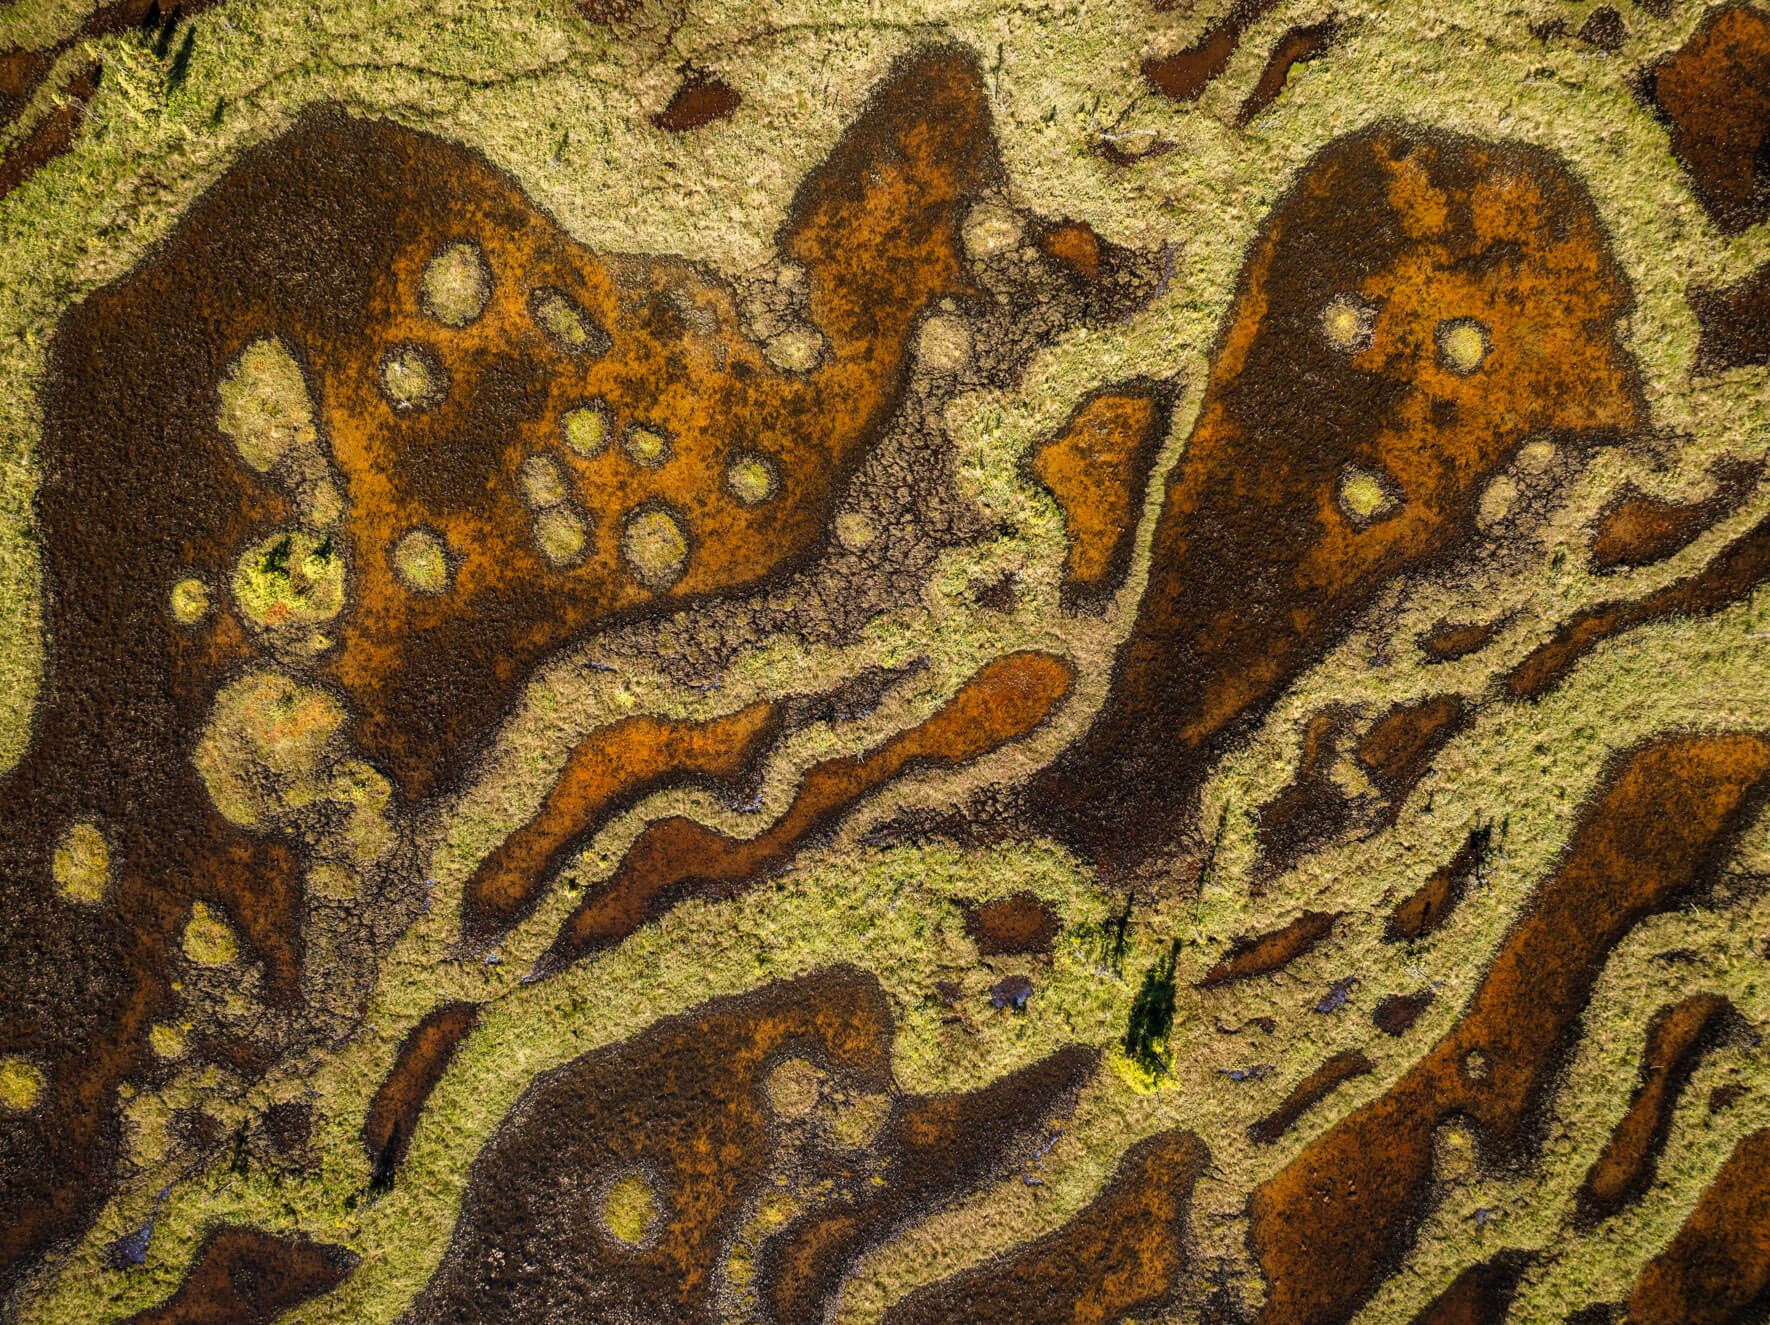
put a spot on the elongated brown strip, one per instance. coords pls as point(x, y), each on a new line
point(1636, 530)
point(52, 135)
point(1398, 749)
point(1122, 1253)
point(1735, 324)
point(424, 1056)
point(1719, 1263)
point(245, 1276)
point(1298, 46)
point(1735, 571)
point(1269, 951)
point(1307, 1093)
point(677, 857)
point(1184, 75)
point(1430, 905)
point(1449, 640)
point(1675, 1037)
point(1329, 1226)
point(610, 769)
point(1480, 1295)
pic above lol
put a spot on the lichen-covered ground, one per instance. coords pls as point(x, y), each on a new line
point(677, 661)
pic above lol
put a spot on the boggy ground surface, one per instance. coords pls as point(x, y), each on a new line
point(703, 666)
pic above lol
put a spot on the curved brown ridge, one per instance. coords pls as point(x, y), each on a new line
point(424, 1055)
point(1184, 75)
point(1715, 94)
point(321, 241)
point(1297, 46)
point(683, 1107)
point(1261, 954)
point(1675, 1037)
point(1430, 905)
point(1636, 530)
point(1307, 1093)
point(245, 1276)
point(677, 857)
point(1717, 1268)
point(1124, 1252)
point(1333, 376)
point(1329, 1225)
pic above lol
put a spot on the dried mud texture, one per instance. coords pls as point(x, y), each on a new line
point(1123, 1253)
point(1480, 1295)
point(1675, 1037)
point(424, 1055)
point(1264, 953)
point(1012, 925)
point(1298, 46)
point(1637, 530)
point(1716, 1271)
point(676, 858)
point(1733, 324)
point(1328, 1227)
point(1430, 905)
point(1416, 307)
point(1096, 468)
point(1184, 75)
point(611, 769)
point(244, 1276)
point(1307, 1093)
point(683, 1108)
point(567, 440)
point(1733, 573)
point(1714, 94)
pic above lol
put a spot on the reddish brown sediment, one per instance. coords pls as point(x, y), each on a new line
point(1329, 367)
point(1637, 530)
point(1733, 324)
point(1311, 809)
point(940, 1147)
point(1395, 1014)
point(320, 240)
point(701, 99)
point(1430, 905)
point(676, 858)
point(1096, 467)
point(1714, 95)
point(1675, 1038)
point(1298, 46)
point(1124, 1252)
point(1449, 640)
point(1074, 246)
point(1480, 1295)
point(1184, 75)
point(1262, 954)
point(1733, 573)
point(1328, 1227)
point(1307, 1093)
point(1399, 747)
point(52, 135)
point(424, 1055)
point(1717, 1268)
point(246, 1276)
point(611, 769)
point(1012, 925)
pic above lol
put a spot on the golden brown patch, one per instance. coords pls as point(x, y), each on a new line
point(1330, 1225)
point(1075, 246)
point(1636, 530)
point(1718, 1265)
point(1011, 925)
point(1122, 1253)
point(701, 99)
point(677, 857)
point(1096, 468)
point(248, 1275)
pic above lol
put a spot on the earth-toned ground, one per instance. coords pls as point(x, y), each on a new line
point(674, 661)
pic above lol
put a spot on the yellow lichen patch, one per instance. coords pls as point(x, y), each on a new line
point(587, 429)
point(990, 229)
point(167, 1041)
point(1463, 345)
point(945, 344)
point(559, 316)
point(1535, 457)
point(265, 408)
point(646, 446)
point(655, 546)
point(457, 285)
point(857, 1120)
point(1364, 495)
point(751, 478)
point(411, 378)
point(854, 531)
point(421, 562)
point(330, 880)
point(294, 578)
point(1496, 501)
point(261, 753)
point(793, 1088)
point(561, 535)
point(208, 938)
point(541, 483)
point(321, 504)
point(1347, 323)
point(21, 1084)
point(630, 1209)
point(81, 865)
point(796, 350)
point(190, 601)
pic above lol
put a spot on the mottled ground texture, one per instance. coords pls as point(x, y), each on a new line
point(706, 661)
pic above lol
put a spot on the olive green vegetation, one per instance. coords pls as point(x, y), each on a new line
point(563, 105)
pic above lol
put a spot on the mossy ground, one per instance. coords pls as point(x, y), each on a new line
point(564, 105)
